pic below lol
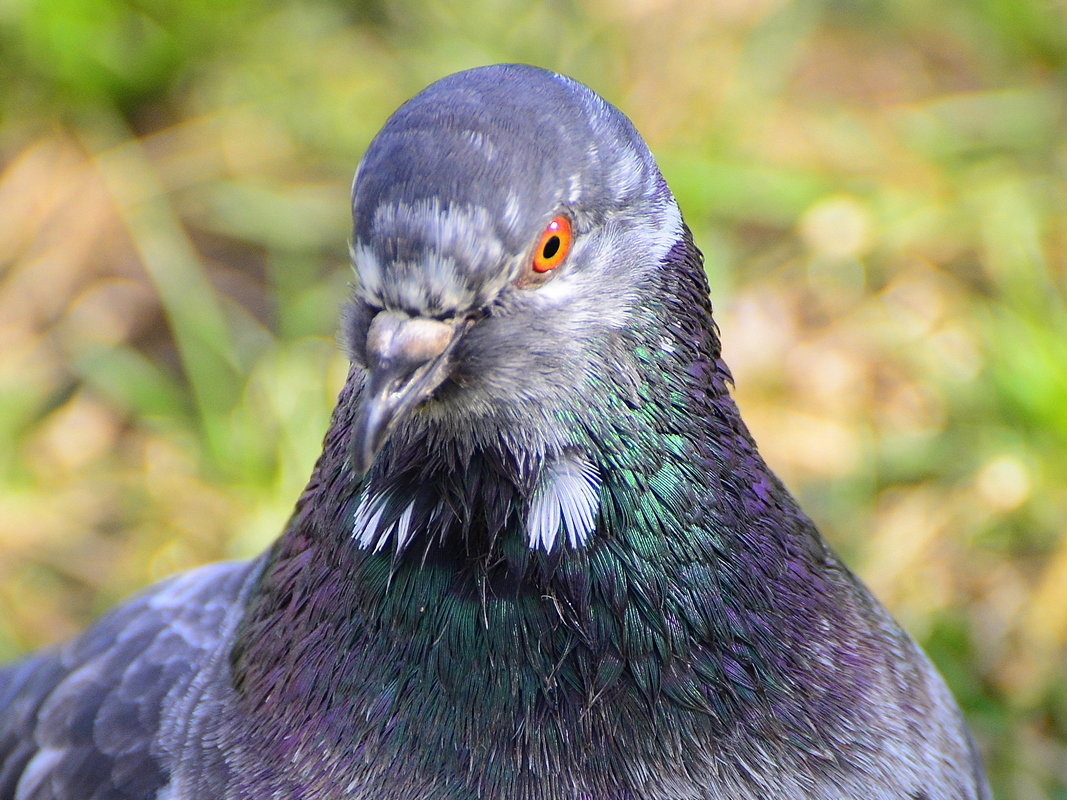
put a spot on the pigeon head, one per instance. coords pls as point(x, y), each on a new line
point(503, 220)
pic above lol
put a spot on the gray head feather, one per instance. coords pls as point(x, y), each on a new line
point(462, 178)
point(448, 205)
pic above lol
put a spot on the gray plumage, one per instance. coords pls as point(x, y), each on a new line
point(540, 556)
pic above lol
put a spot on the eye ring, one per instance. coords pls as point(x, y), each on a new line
point(553, 246)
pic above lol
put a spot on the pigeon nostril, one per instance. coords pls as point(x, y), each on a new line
point(406, 342)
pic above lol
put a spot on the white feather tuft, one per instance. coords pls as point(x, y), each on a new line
point(568, 496)
point(365, 529)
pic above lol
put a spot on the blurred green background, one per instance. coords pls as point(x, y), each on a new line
point(880, 187)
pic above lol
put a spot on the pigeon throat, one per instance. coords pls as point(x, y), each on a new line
point(460, 469)
point(451, 578)
point(557, 507)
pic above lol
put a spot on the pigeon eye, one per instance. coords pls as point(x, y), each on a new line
point(553, 246)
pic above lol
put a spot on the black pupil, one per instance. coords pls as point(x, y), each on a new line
point(551, 247)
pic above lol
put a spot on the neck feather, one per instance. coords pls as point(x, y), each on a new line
point(698, 590)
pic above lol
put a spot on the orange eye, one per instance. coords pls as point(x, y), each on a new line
point(553, 246)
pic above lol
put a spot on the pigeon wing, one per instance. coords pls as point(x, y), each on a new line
point(91, 720)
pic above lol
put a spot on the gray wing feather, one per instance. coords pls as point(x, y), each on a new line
point(84, 722)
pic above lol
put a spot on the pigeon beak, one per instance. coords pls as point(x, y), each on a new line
point(407, 358)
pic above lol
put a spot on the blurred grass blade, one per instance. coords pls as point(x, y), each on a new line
point(127, 378)
point(201, 331)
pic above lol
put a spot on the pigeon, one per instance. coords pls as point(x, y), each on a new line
point(539, 558)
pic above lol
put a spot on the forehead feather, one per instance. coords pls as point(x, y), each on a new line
point(513, 140)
